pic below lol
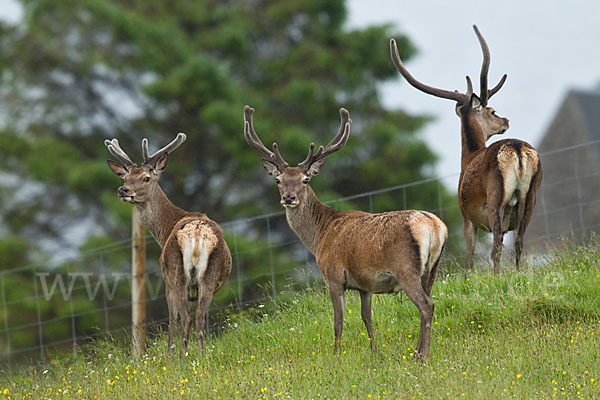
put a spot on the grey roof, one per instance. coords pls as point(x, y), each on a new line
point(589, 103)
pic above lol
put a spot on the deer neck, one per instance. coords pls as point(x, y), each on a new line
point(159, 215)
point(309, 219)
point(472, 136)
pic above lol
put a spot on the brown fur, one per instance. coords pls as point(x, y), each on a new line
point(497, 185)
point(372, 253)
point(170, 226)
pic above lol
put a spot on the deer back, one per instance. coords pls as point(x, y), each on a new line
point(366, 245)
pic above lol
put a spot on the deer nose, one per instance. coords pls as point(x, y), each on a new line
point(123, 191)
point(288, 198)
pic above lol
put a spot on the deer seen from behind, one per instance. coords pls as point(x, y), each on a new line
point(195, 260)
point(371, 253)
point(498, 183)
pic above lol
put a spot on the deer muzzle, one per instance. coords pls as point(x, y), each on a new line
point(125, 194)
point(505, 126)
point(289, 200)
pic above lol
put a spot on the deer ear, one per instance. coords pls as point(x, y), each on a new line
point(270, 168)
point(315, 167)
point(475, 102)
point(118, 169)
point(161, 164)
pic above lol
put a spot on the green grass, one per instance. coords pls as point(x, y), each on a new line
point(528, 335)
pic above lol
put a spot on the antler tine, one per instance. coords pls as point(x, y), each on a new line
point(115, 149)
point(308, 160)
point(251, 136)
point(338, 141)
point(469, 86)
point(485, 67)
point(446, 94)
point(254, 141)
point(333, 147)
point(175, 143)
point(493, 91)
point(279, 159)
point(486, 93)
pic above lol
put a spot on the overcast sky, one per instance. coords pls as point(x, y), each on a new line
point(546, 48)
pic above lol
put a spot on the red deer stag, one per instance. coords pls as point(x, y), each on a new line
point(498, 184)
point(195, 260)
point(372, 253)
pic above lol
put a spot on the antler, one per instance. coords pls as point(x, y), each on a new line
point(461, 98)
point(151, 159)
point(117, 152)
point(254, 141)
point(486, 93)
point(338, 141)
point(446, 94)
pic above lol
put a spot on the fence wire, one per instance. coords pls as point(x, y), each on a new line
point(46, 307)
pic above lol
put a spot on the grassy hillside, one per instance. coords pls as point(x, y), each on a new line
point(527, 335)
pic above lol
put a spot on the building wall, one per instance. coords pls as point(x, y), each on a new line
point(568, 203)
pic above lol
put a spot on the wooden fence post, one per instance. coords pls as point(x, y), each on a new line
point(138, 284)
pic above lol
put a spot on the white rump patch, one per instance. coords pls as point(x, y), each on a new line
point(425, 247)
point(420, 228)
point(430, 234)
point(197, 242)
point(516, 177)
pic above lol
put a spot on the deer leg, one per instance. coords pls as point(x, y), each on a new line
point(365, 312)
point(205, 294)
point(525, 215)
point(470, 232)
point(171, 303)
point(495, 215)
point(186, 320)
point(428, 286)
point(414, 291)
point(497, 248)
point(337, 298)
point(432, 275)
point(518, 248)
point(424, 280)
point(425, 306)
point(520, 232)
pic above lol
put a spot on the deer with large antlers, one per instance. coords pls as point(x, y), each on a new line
point(371, 253)
point(195, 260)
point(498, 184)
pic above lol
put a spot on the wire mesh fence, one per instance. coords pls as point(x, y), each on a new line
point(56, 305)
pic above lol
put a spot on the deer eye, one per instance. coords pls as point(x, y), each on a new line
point(277, 180)
point(305, 181)
point(146, 179)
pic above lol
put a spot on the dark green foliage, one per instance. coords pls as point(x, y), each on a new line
point(14, 250)
point(138, 69)
point(76, 72)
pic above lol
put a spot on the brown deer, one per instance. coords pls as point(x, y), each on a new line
point(371, 253)
point(498, 184)
point(195, 260)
